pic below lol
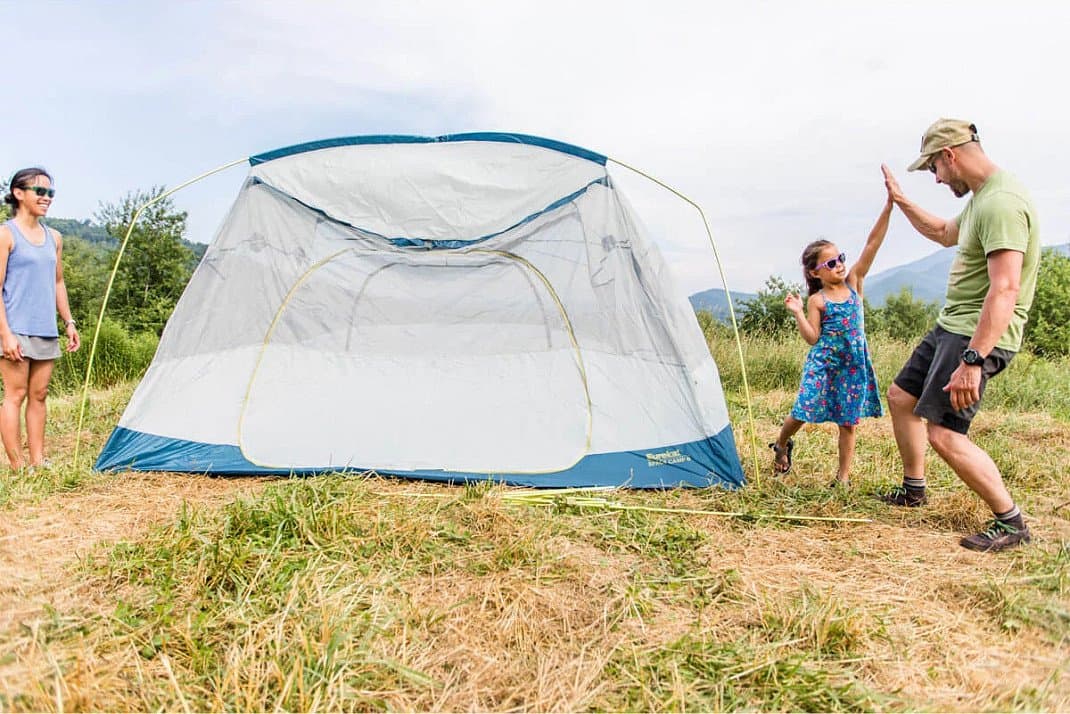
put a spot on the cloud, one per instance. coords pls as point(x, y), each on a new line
point(774, 116)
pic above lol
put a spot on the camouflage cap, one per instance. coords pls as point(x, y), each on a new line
point(943, 134)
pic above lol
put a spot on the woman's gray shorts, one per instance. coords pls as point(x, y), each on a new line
point(34, 347)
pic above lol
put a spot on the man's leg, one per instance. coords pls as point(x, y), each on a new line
point(910, 438)
point(978, 471)
point(976, 468)
point(909, 430)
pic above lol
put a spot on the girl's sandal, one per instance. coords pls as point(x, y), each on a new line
point(778, 466)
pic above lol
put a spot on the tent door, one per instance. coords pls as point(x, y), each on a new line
point(461, 361)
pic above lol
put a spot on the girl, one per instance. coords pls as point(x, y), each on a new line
point(31, 272)
point(838, 382)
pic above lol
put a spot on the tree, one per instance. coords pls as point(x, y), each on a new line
point(5, 210)
point(765, 313)
point(85, 272)
point(903, 316)
point(1047, 332)
point(156, 265)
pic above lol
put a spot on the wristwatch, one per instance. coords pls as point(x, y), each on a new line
point(972, 357)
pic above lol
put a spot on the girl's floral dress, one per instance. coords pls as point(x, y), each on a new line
point(838, 381)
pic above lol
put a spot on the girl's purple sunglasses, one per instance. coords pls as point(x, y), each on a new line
point(831, 264)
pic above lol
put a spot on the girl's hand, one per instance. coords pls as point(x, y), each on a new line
point(895, 194)
point(12, 350)
point(74, 341)
point(794, 304)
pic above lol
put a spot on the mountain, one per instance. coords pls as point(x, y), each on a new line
point(926, 278)
point(716, 302)
point(92, 232)
point(86, 230)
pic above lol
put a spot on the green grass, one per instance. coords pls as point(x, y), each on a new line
point(344, 593)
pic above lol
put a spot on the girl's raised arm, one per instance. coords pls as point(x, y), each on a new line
point(869, 251)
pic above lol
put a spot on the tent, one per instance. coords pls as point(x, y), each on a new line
point(476, 306)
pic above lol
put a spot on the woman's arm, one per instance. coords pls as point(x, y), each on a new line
point(12, 350)
point(869, 251)
point(62, 303)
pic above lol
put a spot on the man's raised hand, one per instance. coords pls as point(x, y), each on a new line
point(895, 194)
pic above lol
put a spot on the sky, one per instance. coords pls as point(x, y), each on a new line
point(773, 116)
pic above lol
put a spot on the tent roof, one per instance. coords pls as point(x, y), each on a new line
point(407, 139)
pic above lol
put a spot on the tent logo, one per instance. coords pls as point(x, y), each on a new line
point(663, 458)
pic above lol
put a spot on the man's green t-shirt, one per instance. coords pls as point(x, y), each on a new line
point(998, 216)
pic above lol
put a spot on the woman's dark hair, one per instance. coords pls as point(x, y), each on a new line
point(809, 262)
point(22, 179)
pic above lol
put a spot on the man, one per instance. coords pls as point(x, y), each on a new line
point(989, 292)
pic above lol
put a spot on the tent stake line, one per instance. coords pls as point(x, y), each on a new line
point(550, 499)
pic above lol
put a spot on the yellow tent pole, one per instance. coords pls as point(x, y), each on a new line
point(731, 311)
point(111, 280)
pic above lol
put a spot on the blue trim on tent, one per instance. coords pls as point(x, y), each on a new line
point(500, 137)
point(708, 462)
point(440, 244)
point(443, 243)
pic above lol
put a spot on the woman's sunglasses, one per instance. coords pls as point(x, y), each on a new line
point(41, 190)
point(831, 264)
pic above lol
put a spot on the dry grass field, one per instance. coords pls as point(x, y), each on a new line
point(188, 593)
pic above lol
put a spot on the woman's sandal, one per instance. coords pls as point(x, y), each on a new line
point(778, 452)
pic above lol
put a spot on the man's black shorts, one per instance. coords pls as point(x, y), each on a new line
point(929, 369)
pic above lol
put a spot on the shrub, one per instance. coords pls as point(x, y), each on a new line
point(120, 356)
point(903, 317)
point(765, 313)
point(1047, 333)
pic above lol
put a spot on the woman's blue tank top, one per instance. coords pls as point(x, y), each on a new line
point(30, 285)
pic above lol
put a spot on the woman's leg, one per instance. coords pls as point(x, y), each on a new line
point(15, 376)
point(36, 409)
point(847, 452)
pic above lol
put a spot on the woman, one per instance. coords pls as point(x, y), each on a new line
point(31, 271)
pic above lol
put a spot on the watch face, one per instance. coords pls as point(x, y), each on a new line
point(971, 356)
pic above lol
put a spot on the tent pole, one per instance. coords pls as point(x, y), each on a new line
point(731, 311)
point(111, 279)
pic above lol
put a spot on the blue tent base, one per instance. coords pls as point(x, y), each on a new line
point(708, 462)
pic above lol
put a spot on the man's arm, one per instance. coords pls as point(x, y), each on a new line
point(1005, 275)
point(939, 230)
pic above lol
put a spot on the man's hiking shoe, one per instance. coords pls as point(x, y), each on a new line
point(997, 536)
point(899, 496)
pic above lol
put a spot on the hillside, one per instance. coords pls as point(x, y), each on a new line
point(926, 278)
point(94, 233)
point(716, 302)
point(84, 229)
